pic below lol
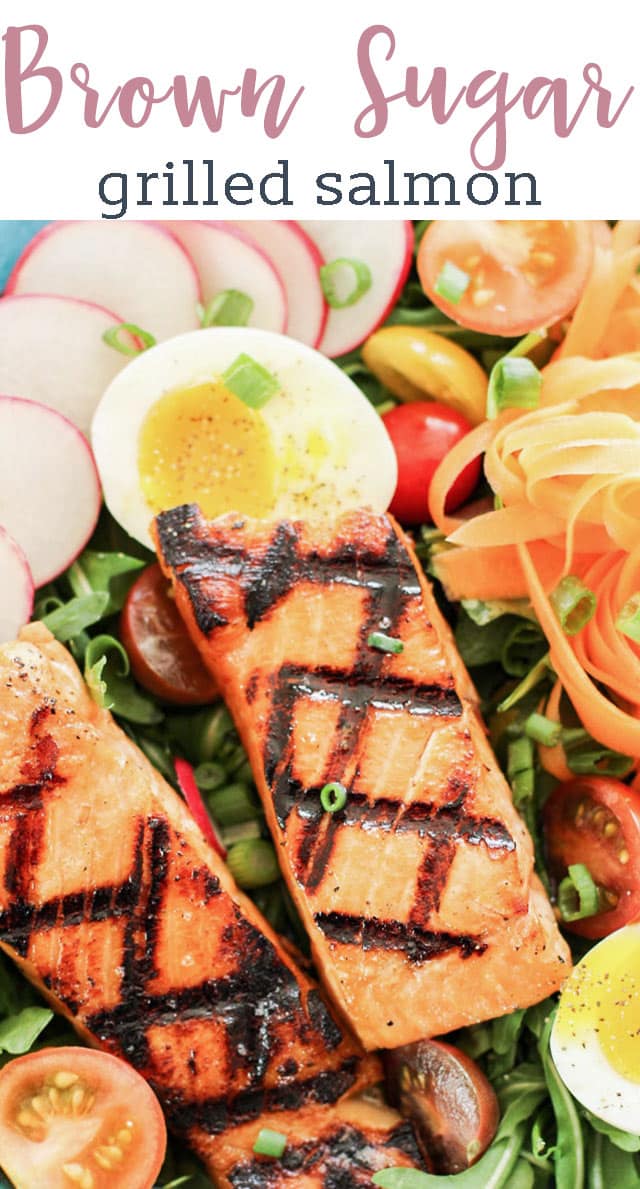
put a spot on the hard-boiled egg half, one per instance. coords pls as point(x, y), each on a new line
point(238, 420)
point(595, 1041)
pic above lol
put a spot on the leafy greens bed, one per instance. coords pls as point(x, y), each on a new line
point(545, 1138)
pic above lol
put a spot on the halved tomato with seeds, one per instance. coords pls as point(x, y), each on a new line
point(595, 821)
point(521, 275)
point(73, 1117)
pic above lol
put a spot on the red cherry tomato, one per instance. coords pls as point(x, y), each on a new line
point(522, 275)
point(422, 433)
point(453, 1108)
point(71, 1116)
point(163, 657)
point(595, 820)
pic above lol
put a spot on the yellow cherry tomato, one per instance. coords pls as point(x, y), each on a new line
point(416, 364)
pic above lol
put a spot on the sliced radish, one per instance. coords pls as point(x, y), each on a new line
point(387, 249)
point(193, 797)
point(138, 269)
point(227, 258)
point(52, 352)
point(298, 262)
point(49, 487)
point(16, 588)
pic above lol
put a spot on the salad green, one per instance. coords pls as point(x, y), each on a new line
point(545, 1138)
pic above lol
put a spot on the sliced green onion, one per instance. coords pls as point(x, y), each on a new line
point(333, 797)
point(514, 383)
point(209, 776)
point(253, 863)
point(578, 895)
point(452, 282)
point(112, 337)
point(520, 756)
point(240, 832)
point(233, 804)
point(331, 274)
point(573, 603)
point(384, 643)
point(231, 307)
point(385, 407)
point(628, 621)
point(250, 381)
point(543, 730)
point(270, 1143)
point(523, 786)
point(521, 648)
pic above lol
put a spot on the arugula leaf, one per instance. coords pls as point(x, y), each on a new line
point(569, 1160)
point(523, 1176)
point(95, 659)
point(19, 1032)
point(621, 1139)
point(492, 1171)
point(111, 573)
point(609, 1167)
point(505, 1034)
point(73, 617)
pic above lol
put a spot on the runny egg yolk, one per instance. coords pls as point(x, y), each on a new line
point(204, 445)
point(602, 996)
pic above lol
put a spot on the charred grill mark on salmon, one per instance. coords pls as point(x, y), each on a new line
point(420, 945)
point(428, 863)
point(39, 773)
point(184, 546)
point(344, 1156)
point(217, 1115)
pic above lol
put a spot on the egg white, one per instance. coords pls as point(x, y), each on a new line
point(316, 398)
point(585, 1070)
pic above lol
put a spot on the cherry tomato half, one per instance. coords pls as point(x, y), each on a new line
point(416, 364)
point(71, 1116)
point(523, 275)
point(452, 1106)
point(422, 433)
point(595, 820)
point(163, 657)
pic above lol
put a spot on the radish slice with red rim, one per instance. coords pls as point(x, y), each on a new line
point(49, 488)
point(193, 797)
point(298, 262)
point(53, 352)
point(227, 258)
point(139, 269)
point(16, 588)
point(385, 250)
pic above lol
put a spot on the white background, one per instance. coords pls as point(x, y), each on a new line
point(593, 174)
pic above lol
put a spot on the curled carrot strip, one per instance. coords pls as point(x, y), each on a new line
point(611, 273)
point(569, 468)
point(496, 572)
point(604, 652)
point(603, 719)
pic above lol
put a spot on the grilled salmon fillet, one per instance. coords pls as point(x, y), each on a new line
point(418, 896)
point(115, 906)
